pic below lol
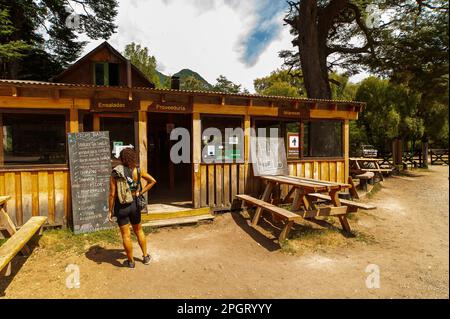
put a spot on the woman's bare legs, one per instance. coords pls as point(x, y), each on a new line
point(127, 243)
point(141, 238)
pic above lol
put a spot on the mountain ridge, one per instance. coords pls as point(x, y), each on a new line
point(183, 74)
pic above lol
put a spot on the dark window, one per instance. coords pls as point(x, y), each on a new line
point(322, 139)
point(121, 131)
point(106, 74)
point(113, 74)
point(290, 130)
point(229, 146)
point(34, 139)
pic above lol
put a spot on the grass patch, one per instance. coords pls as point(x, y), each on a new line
point(375, 189)
point(2, 241)
point(64, 240)
point(308, 238)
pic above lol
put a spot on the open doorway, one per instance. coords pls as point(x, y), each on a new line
point(174, 181)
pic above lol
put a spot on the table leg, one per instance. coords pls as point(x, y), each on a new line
point(285, 232)
point(7, 223)
point(342, 218)
point(265, 197)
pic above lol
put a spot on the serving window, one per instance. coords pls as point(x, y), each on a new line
point(30, 139)
point(287, 129)
point(121, 131)
point(222, 139)
point(323, 138)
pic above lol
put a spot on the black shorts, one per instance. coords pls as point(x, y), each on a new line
point(127, 213)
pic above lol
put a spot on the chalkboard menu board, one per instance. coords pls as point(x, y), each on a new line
point(90, 171)
point(268, 155)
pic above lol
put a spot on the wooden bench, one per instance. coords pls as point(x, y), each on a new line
point(18, 239)
point(364, 179)
point(349, 203)
point(287, 216)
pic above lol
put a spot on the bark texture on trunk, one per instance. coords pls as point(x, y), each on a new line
point(313, 61)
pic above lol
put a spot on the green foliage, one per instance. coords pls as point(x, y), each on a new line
point(280, 83)
point(391, 112)
point(13, 49)
point(53, 43)
point(193, 83)
point(226, 86)
point(341, 88)
point(141, 58)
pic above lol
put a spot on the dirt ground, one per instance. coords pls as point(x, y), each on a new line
point(407, 237)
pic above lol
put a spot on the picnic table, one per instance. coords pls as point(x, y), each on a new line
point(360, 165)
point(304, 195)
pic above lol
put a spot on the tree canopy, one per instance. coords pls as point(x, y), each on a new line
point(141, 58)
point(51, 31)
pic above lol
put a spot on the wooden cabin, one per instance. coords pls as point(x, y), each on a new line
point(104, 92)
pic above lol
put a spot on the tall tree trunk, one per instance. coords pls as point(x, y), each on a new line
point(312, 56)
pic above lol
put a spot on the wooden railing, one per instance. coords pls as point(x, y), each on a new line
point(219, 183)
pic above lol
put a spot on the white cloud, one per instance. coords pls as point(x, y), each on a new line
point(203, 35)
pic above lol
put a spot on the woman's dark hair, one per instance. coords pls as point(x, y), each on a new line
point(128, 157)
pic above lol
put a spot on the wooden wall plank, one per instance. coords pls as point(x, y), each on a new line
point(219, 185)
point(2, 184)
point(67, 198)
point(25, 179)
point(234, 180)
point(211, 182)
point(324, 171)
point(203, 186)
point(51, 197)
point(226, 185)
point(333, 172)
point(10, 190)
point(316, 170)
point(43, 193)
point(241, 179)
point(34, 194)
point(59, 197)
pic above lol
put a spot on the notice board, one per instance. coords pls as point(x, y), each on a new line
point(90, 171)
point(268, 155)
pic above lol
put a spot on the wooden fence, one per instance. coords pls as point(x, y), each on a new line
point(439, 156)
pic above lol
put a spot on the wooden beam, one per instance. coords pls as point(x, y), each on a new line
point(34, 103)
point(222, 100)
point(2, 158)
point(56, 94)
point(14, 91)
point(330, 114)
point(142, 138)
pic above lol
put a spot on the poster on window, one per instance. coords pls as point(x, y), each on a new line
point(268, 156)
point(293, 145)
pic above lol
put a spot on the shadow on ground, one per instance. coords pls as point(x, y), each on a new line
point(102, 255)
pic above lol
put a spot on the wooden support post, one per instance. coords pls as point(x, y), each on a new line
point(142, 143)
point(285, 232)
point(196, 159)
point(346, 137)
point(96, 123)
point(73, 121)
point(247, 128)
point(2, 154)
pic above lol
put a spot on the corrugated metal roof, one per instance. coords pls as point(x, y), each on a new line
point(162, 91)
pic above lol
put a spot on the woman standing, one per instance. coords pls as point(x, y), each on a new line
point(125, 188)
